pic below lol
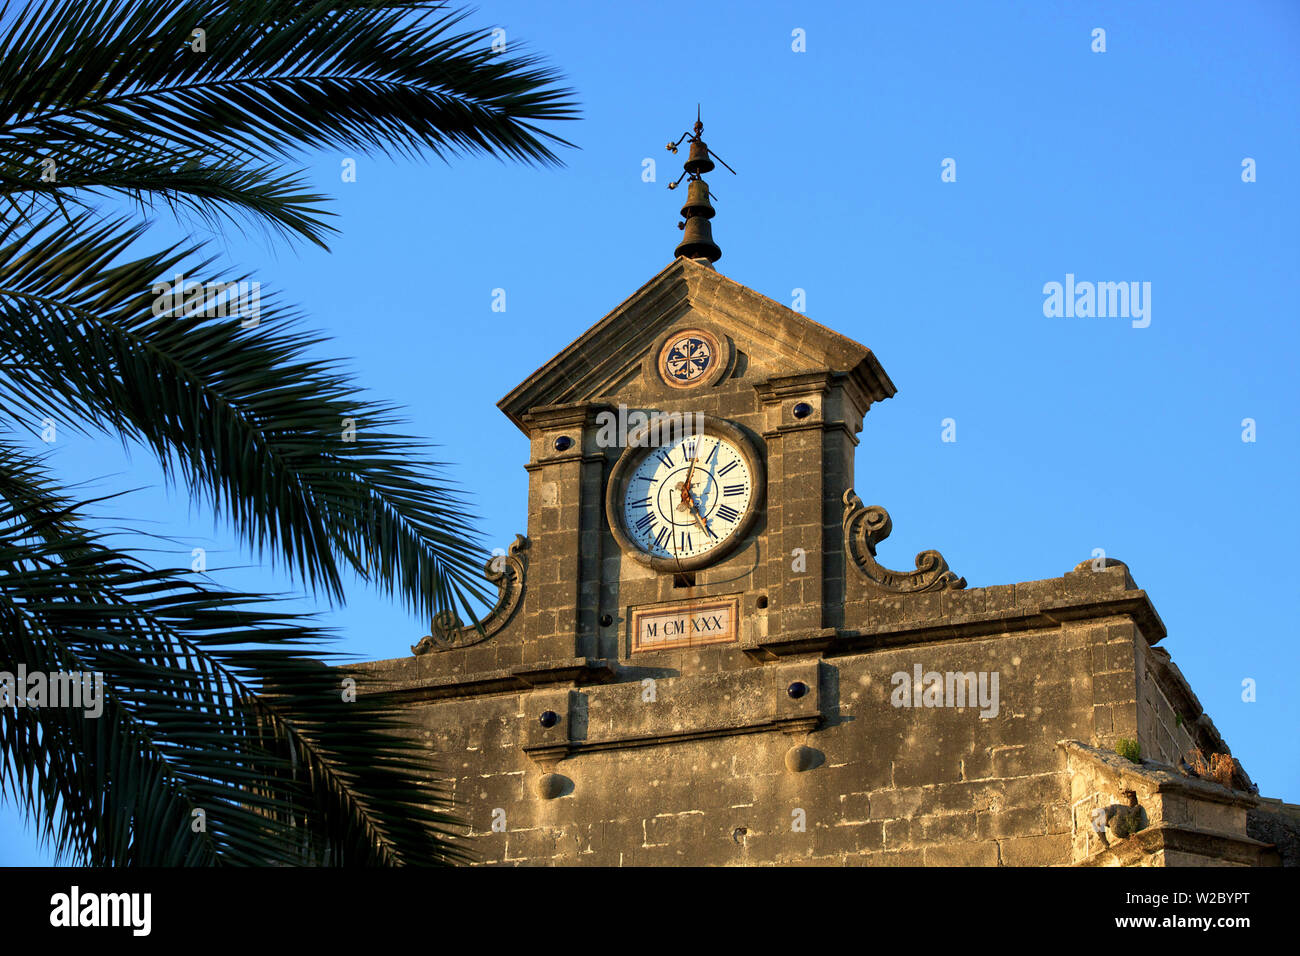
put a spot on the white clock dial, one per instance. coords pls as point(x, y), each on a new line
point(684, 499)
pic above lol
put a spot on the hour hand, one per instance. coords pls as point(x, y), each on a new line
point(699, 518)
point(687, 498)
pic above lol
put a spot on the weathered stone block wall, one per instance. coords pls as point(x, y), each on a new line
point(1278, 824)
point(1166, 730)
point(687, 755)
point(789, 745)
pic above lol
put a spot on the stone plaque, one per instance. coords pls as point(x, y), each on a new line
point(689, 623)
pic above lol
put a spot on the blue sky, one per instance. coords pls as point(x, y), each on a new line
point(1072, 433)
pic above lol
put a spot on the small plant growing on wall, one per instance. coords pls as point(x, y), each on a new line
point(1129, 749)
point(1217, 767)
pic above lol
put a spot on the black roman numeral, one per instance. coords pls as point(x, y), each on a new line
point(723, 471)
point(727, 513)
point(662, 536)
point(665, 457)
point(645, 522)
point(687, 544)
point(729, 490)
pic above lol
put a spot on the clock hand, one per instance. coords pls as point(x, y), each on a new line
point(699, 517)
point(685, 503)
point(686, 485)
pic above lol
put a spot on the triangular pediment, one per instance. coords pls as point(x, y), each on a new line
point(774, 339)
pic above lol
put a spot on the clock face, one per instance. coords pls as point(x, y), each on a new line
point(686, 499)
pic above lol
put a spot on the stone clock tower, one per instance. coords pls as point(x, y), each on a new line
point(764, 422)
point(696, 657)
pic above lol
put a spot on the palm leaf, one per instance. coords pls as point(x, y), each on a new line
point(215, 701)
point(152, 177)
point(277, 76)
point(187, 722)
point(238, 413)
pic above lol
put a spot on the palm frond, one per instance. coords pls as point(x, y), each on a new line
point(215, 701)
point(152, 177)
point(262, 432)
point(277, 76)
point(205, 694)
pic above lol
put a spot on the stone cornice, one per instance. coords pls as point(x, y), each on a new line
point(431, 685)
point(1212, 844)
point(660, 297)
point(1159, 778)
point(865, 383)
point(785, 724)
point(1174, 684)
point(963, 627)
point(812, 426)
point(567, 415)
point(615, 344)
point(780, 387)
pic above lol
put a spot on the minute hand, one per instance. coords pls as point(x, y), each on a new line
point(699, 518)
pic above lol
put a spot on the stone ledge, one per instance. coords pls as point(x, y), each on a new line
point(760, 702)
point(577, 670)
point(1160, 778)
point(1211, 844)
point(789, 725)
point(1277, 805)
point(972, 626)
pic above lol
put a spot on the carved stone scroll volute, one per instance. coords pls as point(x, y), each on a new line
point(864, 528)
point(507, 571)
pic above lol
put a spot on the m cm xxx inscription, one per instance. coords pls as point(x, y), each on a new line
point(688, 623)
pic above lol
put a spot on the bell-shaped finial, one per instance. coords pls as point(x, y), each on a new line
point(697, 233)
point(697, 160)
point(697, 200)
point(697, 241)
